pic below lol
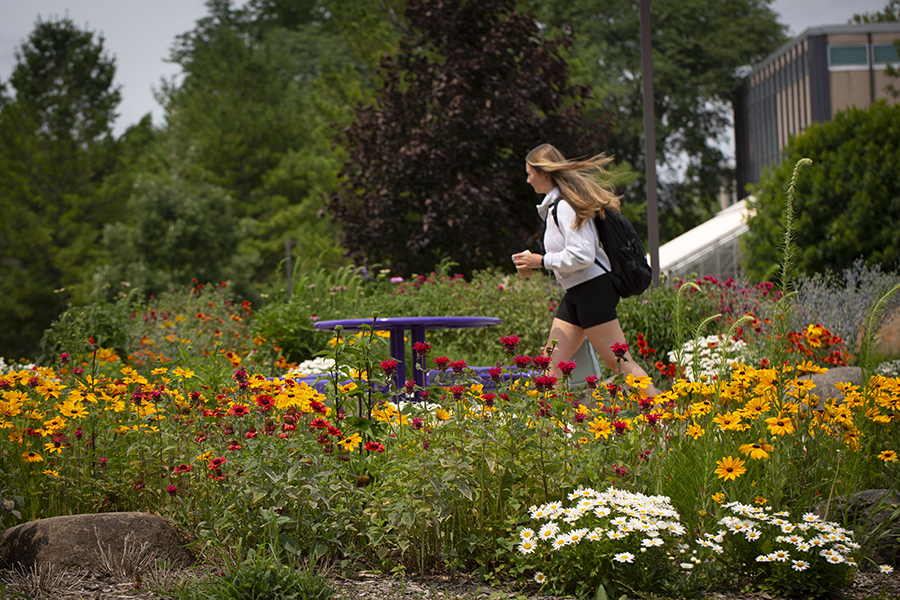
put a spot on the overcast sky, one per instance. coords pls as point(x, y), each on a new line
point(140, 33)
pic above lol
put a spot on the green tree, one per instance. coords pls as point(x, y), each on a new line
point(263, 86)
point(436, 163)
point(700, 50)
point(56, 149)
point(180, 231)
point(889, 14)
point(847, 202)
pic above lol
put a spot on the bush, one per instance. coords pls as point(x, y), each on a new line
point(843, 303)
point(846, 206)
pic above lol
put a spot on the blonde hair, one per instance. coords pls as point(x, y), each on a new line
point(578, 181)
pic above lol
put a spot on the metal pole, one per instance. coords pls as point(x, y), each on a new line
point(650, 141)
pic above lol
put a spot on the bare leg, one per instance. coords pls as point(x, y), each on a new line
point(569, 338)
point(602, 337)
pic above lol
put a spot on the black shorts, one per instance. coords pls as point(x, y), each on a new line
point(590, 303)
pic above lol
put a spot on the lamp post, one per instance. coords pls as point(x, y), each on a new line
point(650, 141)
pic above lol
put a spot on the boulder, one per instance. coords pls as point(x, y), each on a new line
point(99, 542)
point(874, 516)
point(825, 388)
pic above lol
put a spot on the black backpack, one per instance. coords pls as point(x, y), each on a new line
point(630, 272)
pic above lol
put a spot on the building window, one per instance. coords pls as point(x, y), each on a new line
point(884, 54)
point(848, 57)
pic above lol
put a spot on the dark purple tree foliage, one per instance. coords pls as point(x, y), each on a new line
point(436, 165)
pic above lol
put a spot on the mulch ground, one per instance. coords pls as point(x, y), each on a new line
point(84, 585)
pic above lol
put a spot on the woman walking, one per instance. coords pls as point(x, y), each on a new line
point(573, 197)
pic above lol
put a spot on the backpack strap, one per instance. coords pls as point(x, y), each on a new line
point(553, 208)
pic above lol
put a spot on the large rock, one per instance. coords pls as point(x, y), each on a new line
point(824, 382)
point(94, 541)
point(874, 515)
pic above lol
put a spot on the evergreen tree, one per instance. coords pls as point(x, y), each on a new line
point(56, 148)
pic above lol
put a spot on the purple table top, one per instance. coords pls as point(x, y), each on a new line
point(408, 322)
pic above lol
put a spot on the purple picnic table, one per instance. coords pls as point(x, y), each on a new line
point(417, 326)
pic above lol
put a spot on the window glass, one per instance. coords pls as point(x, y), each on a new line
point(846, 56)
point(884, 53)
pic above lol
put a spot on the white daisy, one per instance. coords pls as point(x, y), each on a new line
point(548, 531)
point(800, 565)
point(624, 557)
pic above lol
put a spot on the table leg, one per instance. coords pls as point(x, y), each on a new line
point(398, 352)
point(417, 334)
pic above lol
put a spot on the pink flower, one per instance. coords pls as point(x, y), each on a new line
point(591, 381)
point(172, 489)
point(410, 386)
point(396, 280)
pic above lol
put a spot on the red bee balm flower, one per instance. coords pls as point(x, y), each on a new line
point(458, 366)
point(619, 349)
point(389, 366)
point(542, 362)
point(509, 343)
point(566, 367)
point(441, 362)
point(421, 348)
point(544, 383)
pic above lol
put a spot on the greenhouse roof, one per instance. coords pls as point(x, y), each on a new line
point(692, 246)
